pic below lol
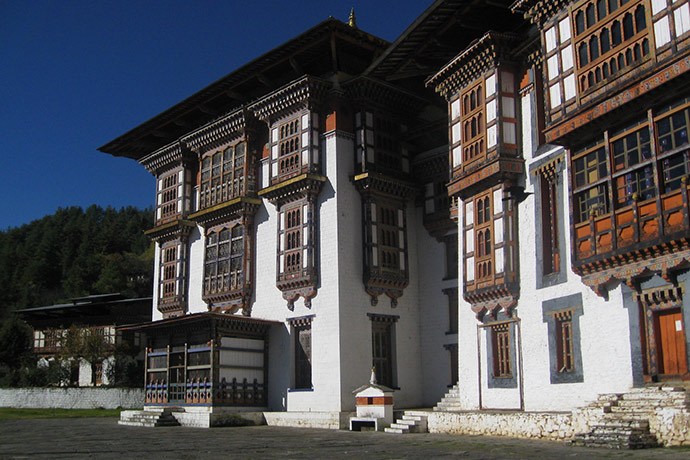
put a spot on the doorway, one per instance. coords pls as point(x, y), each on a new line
point(670, 338)
point(663, 334)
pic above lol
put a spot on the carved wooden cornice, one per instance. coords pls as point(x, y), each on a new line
point(368, 92)
point(662, 297)
point(295, 96)
point(230, 210)
point(500, 300)
point(300, 286)
point(177, 229)
point(378, 282)
point(168, 157)
point(371, 182)
point(297, 187)
point(231, 301)
point(484, 54)
point(632, 267)
point(486, 175)
point(172, 309)
point(539, 11)
point(219, 132)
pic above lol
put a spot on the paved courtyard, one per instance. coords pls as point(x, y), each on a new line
point(103, 438)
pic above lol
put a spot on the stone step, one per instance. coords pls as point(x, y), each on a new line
point(410, 422)
point(148, 418)
point(395, 430)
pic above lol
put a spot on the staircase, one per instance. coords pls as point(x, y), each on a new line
point(622, 420)
point(411, 422)
point(451, 401)
point(149, 418)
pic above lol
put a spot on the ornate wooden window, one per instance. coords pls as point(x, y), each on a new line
point(289, 145)
point(549, 224)
point(637, 175)
point(564, 342)
point(389, 240)
point(591, 197)
point(223, 175)
point(292, 239)
point(169, 271)
point(611, 36)
point(169, 196)
point(473, 122)
point(672, 134)
point(500, 348)
point(294, 146)
point(378, 139)
point(171, 277)
point(483, 248)
point(224, 262)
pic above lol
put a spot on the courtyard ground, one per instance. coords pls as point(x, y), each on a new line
point(103, 438)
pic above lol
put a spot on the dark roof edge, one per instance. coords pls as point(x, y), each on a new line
point(403, 36)
point(215, 87)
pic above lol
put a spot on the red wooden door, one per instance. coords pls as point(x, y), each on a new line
point(671, 343)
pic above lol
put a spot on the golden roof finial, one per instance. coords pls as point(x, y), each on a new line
point(352, 22)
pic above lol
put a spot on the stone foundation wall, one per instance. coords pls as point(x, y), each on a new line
point(671, 426)
point(328, 420)
point(545, 425)
point(72, 398)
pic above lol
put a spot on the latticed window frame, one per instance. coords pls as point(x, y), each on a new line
point(565, 355)
point(224, 260)
point(501, 351)
point(377, 137)
point(639, 177)
point(226, 178)
point(473, 122)
point(609, 41)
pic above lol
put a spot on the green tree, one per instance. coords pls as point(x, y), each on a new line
point(88, 344)
point(15, 349)
point(15, 342)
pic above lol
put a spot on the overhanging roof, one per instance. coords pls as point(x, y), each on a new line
point(87, 310)
point(437, 35)
point(205, 317)
point(331, 46)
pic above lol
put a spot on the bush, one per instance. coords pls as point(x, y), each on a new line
point(125, 371)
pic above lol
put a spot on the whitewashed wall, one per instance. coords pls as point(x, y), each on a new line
point(604, 324)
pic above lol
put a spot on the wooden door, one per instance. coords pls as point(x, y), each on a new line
point(671, 342)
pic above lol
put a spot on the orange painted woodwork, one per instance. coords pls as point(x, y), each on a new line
point(671, 343)
point(374, 401)
point(624, 217)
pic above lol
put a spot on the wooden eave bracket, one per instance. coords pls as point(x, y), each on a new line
point(180, 227)
point(233, 209)
point(374, 182)
point(307, 183)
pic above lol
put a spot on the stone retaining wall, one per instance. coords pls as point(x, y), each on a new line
point(328, 420)
point(72, 398)
point(545, 425)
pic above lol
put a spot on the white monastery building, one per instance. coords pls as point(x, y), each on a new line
point(493, 208)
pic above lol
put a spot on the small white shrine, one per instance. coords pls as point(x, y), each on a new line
point(374, 406)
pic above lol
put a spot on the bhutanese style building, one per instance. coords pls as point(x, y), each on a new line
point(495, 203)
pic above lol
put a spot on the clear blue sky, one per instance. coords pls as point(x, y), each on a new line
point(75, 74)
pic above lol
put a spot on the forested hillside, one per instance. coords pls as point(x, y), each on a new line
point(74, 253)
